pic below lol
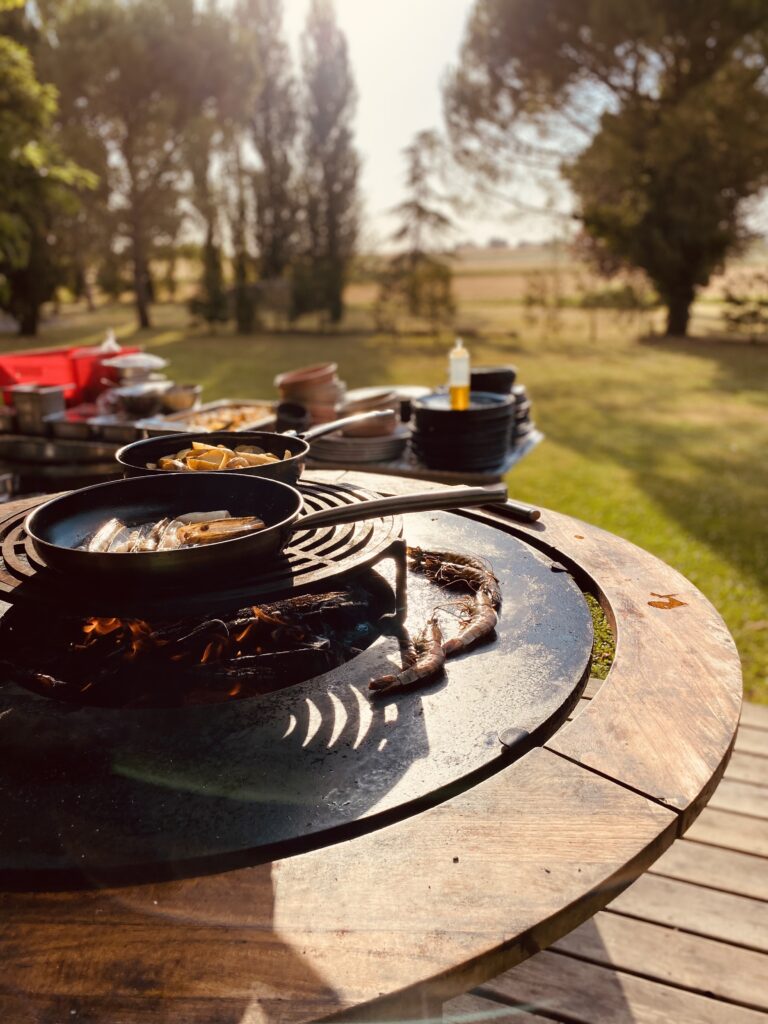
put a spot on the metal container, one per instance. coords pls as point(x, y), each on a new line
point(34, 403)
point(255, 415)
point(115, 429)
point(7, 419)
point(140, 400)
point(7, 486)
point(69, 428)
point(182, 398)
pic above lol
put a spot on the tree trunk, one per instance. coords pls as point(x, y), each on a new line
point(140, 275)
point(679, 312)
point(29, 321)
point(90, 305)
point(335, 304)
point(142, 295)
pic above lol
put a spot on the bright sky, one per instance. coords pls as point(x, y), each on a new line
point(400, 50)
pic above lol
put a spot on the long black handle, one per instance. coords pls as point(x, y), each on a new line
point(360, 417)
point(428, 501)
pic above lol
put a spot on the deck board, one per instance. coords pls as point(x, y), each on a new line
point(566, 989)
point(688, 942)
point(676, 958)
point(731, 831)
point(752, 741)
point(755, 715)
point(748, 768)
point(741, 798)
point(716, 868)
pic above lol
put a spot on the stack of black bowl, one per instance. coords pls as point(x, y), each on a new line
point(498, 379)
point(522, 424)
point(473, 440)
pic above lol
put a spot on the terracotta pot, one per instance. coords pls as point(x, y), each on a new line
point(320, 373)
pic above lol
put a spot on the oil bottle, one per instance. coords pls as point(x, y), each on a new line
point(458, 376)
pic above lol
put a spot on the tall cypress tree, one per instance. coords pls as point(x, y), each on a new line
point(331, 161)
point(273, 128)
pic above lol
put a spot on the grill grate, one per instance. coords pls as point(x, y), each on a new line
point(313, 559)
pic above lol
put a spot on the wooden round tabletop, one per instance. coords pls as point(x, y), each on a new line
point(390, 924)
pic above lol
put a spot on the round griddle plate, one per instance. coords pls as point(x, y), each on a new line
point(102, 793)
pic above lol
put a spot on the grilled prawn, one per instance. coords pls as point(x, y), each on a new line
point(430, 659)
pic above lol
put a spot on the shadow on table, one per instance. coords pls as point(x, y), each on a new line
point(96, 797)
point(170, 952)
point(134, 925)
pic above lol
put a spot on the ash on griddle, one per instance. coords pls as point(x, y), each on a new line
point(115, 662)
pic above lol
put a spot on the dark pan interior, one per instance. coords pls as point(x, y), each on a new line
point(69, 520)
point(138, 454)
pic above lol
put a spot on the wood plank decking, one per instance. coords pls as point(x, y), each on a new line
point(686, 944)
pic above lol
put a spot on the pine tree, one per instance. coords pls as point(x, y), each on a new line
point(273, 127)
point(331, 162)
point(417, 278)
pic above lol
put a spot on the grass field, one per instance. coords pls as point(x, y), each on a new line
point(661, 442)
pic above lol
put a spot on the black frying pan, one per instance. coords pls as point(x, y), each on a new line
point(135, 456)
point(60, 526)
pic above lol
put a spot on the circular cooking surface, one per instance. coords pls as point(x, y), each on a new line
point(311, 559)
point(137, 793)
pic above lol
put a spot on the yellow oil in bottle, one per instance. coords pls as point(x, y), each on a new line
point(459, 396)
point(458, 376)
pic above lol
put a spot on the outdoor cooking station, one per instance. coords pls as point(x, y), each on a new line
point(312, 853)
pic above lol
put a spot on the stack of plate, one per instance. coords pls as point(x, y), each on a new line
point(340, 449)
point(474, 439)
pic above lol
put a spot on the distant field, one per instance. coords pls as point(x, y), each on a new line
point(661, 442)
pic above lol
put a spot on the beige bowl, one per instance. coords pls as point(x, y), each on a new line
point(373, 428)
point(307, 376)
point(384, 399)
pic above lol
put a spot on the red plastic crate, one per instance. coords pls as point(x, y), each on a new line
point(87, 371)
point(46, 366)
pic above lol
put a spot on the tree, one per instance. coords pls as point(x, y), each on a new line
point(221, 101)
point(199, 142)
point(127, 75)
point(654, 111)
point(211, 303)
point(416, 278)
point(244, 303)
point(331, 163)
point(273, 129)
point(38, 186)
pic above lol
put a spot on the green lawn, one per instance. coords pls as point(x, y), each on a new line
point(661, 442)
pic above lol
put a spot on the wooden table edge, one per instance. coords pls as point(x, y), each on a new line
point(665, 819)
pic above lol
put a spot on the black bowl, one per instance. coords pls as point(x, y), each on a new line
point(496, 379)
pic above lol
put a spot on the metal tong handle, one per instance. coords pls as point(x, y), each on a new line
point(427, 501)
point(328, 428)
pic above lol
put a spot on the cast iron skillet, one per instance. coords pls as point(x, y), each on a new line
point(57, 528)
point(135, 456)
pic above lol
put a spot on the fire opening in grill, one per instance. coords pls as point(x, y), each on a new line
point(106, 661)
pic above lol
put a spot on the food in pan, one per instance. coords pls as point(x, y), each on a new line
point(206, 457)
point(227, 417)
point(186, 531)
